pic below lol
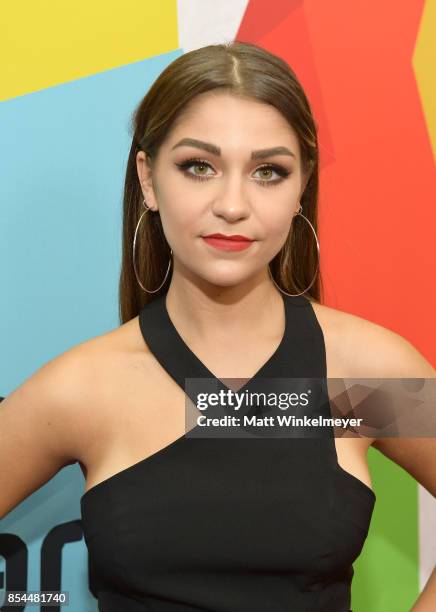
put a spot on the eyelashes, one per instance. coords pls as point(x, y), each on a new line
point(280, 170)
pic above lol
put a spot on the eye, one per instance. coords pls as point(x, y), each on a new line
point(201, 163)
point(282, 173)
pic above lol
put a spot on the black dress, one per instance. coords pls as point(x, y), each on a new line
point(237, 524)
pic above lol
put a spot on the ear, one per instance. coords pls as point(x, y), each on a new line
point(144, 169)
point(306, 178)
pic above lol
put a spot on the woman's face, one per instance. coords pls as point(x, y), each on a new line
point(219, 187)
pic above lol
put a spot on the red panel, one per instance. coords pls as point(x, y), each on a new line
point(378, 181)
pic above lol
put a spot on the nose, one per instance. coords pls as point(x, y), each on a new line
point(231, 202)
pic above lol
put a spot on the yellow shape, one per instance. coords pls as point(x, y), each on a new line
point(44, 42)
point(424, 61)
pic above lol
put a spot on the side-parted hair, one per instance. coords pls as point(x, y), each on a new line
point(244, 70)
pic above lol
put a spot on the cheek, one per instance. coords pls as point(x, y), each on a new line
point(179, 221)
point(276, 223)
point(275, 229)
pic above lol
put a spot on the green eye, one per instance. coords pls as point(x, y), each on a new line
point(194, 162)
point(199, 165)
point(282, 172)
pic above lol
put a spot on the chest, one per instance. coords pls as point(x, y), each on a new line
point(223, 507)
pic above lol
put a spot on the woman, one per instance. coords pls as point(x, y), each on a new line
point(224, 143)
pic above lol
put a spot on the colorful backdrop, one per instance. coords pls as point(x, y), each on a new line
point(71, 76)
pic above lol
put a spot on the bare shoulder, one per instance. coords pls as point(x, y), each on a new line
point(104, 370)
point(63, 392)
point(58, 414)
point(363, 348)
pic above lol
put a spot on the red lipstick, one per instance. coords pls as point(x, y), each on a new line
point(234, 242)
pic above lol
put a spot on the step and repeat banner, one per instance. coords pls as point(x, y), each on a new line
point(71, 76)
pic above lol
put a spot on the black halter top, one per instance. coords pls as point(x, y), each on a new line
point(258, 524)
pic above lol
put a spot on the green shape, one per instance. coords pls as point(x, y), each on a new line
point(386, 574)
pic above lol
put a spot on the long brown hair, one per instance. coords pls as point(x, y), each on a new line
point(244, 70)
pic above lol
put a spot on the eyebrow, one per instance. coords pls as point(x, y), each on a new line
point(211, 148)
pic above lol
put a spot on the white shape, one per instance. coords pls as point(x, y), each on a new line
point(208, 22)
point(427, 531)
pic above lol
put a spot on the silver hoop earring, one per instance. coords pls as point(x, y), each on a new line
point(317, 267)
point(147, 208)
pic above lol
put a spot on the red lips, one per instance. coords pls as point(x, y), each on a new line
point(234, 242)
point(235, 237)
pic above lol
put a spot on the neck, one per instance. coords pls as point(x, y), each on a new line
point(203, 311)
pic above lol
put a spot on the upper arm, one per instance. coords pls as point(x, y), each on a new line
point(367, 350)
point(396, 357)
point(40, 427)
